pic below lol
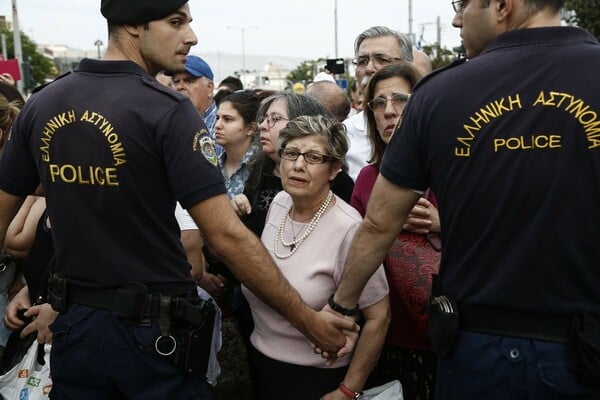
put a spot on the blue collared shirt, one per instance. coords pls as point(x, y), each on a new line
point(236, 182)
point(210, 119)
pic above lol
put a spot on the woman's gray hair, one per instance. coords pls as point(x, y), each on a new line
point(296, 105)
point(404, 41)
point(332, 131)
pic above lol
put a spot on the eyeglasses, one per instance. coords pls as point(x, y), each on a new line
point(378, 104)
point(458, 5)
point(379, 61)
point(271, 119)
point(311, 157)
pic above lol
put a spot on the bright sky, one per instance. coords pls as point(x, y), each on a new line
point(299, 28)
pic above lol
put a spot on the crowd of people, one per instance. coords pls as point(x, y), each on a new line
point(175, 238)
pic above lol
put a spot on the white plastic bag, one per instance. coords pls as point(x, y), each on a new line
point(28, 379)
point(388, 391)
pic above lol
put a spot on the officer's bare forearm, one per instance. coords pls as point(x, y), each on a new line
point(386, 212)
point(248, 259)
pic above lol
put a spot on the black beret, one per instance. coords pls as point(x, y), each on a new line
point(131, 12)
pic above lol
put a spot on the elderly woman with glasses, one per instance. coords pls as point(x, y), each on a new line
point(264, 183)
point(308, 232)
point(407, 354)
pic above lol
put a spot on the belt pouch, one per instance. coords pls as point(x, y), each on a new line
point(584, 349)
point(443, 324)
point(131, 301)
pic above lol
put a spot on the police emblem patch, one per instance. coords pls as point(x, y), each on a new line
point(207, 147)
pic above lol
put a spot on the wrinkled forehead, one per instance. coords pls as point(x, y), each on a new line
point(314, 141)
point(382, 45)
point(279, 107)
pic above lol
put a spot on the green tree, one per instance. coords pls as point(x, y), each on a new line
point(41, 67)
point(439, 56)
point(586, 15)
point(303, 72)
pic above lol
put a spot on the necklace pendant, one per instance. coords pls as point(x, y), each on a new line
point(292, 246)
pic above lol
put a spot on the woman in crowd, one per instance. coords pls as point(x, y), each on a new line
point(235, 131)
point(308, 232)
point(8, 112)
point(264, 181)
point(27, 240)
point(407, 355)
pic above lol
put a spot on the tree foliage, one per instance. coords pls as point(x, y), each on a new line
point(439, 56)
point(303, 72)
point(586, 15)
point(40, 66)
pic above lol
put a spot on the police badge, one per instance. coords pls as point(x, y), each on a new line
point(204, 143)
point(207, 147)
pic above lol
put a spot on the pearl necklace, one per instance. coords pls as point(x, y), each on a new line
point(295, 243)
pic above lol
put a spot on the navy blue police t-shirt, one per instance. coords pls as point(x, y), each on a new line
point(113, 150)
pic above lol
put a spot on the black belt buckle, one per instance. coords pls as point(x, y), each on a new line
point(443, 323)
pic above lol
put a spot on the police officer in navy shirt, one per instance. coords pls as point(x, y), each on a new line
point(113, 150)
point(510, 143)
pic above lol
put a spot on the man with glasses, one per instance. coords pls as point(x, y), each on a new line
point(509, 142)
point(374, 48)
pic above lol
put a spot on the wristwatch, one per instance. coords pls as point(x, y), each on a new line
point(342, 310)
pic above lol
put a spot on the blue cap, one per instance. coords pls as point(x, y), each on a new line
point(197, 67)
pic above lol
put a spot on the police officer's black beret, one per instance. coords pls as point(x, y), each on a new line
point(131, 12)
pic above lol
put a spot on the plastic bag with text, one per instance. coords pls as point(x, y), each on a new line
point(29, 379)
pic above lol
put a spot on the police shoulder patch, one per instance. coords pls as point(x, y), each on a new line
point(204, 143)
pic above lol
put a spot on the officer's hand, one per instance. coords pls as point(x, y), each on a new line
point(241, 205)
point(214, 285)
point(43, 316)
point(333, 335)
point(19, 302)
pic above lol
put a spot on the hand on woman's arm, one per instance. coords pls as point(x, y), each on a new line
point(368, 348)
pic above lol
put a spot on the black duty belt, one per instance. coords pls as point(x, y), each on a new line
point(520, 324)
point(128, 302)
point(122, 302)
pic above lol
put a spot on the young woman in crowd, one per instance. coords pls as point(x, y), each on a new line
point(235, 131)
